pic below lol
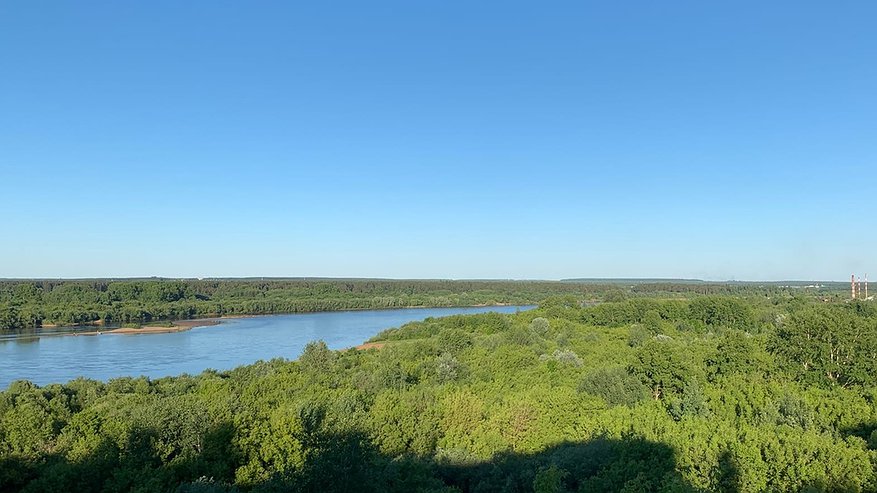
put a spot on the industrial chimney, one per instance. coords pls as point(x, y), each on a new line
point(853, 286)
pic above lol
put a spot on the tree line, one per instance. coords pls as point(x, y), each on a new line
point(32, 304)
point(29, 304)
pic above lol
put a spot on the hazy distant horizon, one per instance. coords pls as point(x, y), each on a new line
point(493, 279)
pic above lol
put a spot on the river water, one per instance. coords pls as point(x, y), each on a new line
point(234, 342)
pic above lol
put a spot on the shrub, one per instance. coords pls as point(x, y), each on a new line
point(540, 326)
point(615, 385)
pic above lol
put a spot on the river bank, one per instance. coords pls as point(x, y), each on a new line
point(178, 326)
point(184, 325)
point(97, 327)
point(101, 326)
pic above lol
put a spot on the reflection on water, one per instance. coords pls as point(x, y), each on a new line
point(57, 331)
point(45, 359)
point(23, 338)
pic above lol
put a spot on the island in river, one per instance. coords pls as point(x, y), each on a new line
point(176, 326)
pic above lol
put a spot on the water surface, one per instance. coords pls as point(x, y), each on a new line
point(234, 342)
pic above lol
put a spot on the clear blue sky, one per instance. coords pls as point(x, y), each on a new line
point(438, 139)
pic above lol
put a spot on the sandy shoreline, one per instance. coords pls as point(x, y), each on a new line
point(179, 326)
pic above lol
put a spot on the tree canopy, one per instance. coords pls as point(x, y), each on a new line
point(738, 394)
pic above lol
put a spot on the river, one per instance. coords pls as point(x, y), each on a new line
point(234, 342)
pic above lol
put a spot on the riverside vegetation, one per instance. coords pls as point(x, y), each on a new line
point(706, 393)
point(25, 305)
point(29, 304)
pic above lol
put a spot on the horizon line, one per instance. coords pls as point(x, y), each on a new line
point(474, 279)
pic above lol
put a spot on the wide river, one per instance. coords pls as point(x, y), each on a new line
point(234, 342)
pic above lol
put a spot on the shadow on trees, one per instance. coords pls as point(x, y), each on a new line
point(867, 431)
point(349, 462)
point(138, 464)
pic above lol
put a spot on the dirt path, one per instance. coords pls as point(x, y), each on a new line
point(371, 345)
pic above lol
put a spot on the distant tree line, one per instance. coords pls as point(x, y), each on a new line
point(31, 304)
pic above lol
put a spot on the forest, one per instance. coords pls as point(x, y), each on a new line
point(26, 305)
point(766, 391)
point(30, 304)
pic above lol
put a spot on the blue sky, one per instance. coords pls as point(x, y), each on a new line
point(438, 139)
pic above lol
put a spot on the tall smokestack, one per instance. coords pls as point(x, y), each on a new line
point(853, 286)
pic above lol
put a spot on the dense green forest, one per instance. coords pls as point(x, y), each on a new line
point(29, 304)
point(701, 393)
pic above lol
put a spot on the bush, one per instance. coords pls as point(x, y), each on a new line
point(447, 368)
point(540, 326)
point(615, 296)
point(565, 357)
point(453, 340)
point(691, 403)
point(638, 336)
point(316, 357)
point(615, 385)
point(652, 321)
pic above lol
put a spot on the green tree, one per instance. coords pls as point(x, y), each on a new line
point(829, 344)
point(316, 357)
point(615, 385)
point(662, 367)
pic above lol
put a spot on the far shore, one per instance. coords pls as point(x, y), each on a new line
point(368, 309)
